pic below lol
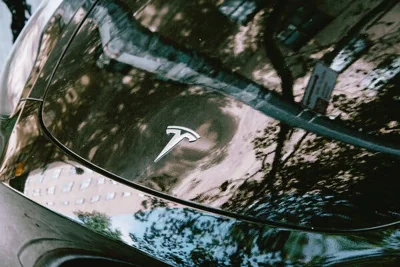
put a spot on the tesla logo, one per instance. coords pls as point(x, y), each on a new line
point(179, 133)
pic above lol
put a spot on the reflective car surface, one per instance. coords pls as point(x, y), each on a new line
point(210, 133)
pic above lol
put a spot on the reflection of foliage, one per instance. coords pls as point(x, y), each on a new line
point(99, 222)
point(127, 105)
point(189, 238)
point(160, 183)
point(322, 179)
point(29, 153)
point(317, 184)
point(274, 53)
point(18, 9)
point(131, 107)
point(377, 116)
point(186, 237)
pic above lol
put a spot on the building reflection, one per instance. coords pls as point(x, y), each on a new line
point(67, 189)
point(112, 108)
point(267, 170)
point(183, 236)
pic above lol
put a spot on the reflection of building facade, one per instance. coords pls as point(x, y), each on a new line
point(307, 29)
point(66, 189)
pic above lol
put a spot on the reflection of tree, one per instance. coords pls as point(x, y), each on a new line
point(317, 184)
point(274, 53)
point(98, 222)
point(314, 180)
point(357, 28)
point(378, 117)
point(18, 9)
point(34, 151)
point(294, 163)
point(131, 104)
point(186, 237)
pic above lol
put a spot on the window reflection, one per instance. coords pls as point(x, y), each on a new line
point(36, 192)
point(88, 196)
point(110, 196)
point(356, 47)
point(51, 190)
point(67, 187)
point(101, 180)
point(95, 198)
point(383, 74)
point(80, 201)
point(56, 174)
point(246, 161)
point(85, 183)
point(267, 169)
point(126, 194)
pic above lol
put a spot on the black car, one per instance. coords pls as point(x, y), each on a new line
point(201, 133)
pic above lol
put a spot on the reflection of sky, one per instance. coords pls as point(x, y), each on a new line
point(303, 246)
point(128, 224)
point(125, 223)
point(349, 54)
point(5, 29)
point(5, 32)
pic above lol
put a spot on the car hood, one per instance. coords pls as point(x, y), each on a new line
point(149, 110)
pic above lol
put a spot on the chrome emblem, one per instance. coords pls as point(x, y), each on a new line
point(180, 133)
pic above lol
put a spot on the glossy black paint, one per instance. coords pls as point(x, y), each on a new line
point(176, 234)
point(31, 232)
point(121, 114)
point(83, 141)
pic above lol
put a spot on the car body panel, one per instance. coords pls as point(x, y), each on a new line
point(267, 183)
point(111, 101)
point(176, 234)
